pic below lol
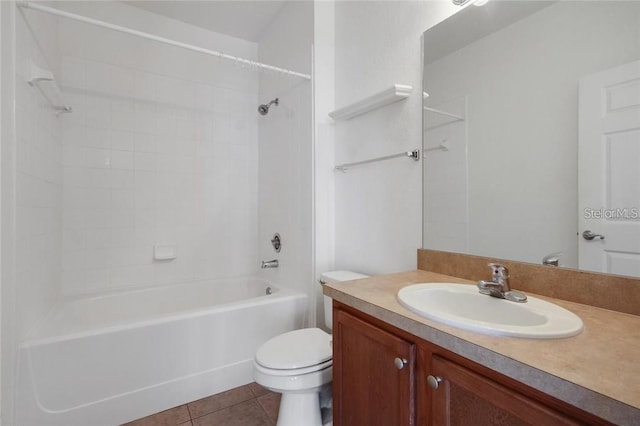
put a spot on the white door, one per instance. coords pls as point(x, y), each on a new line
point(609, 171)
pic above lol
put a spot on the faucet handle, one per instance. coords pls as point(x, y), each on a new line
point(500, 272)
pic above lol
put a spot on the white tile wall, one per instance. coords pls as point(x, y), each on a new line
point(38, 180)
point(155, 154)
point(157, 172)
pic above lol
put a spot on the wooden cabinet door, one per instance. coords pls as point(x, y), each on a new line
point(368, 387)
point(465, 398)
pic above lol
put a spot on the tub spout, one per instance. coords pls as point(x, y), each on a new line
point(269, 264)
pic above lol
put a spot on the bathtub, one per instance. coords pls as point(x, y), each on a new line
point(114, 358)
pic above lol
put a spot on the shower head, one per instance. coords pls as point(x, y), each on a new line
point(264, 108)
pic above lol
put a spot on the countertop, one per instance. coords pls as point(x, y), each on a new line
point(597, 371)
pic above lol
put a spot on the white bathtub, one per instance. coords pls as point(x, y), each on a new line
point(114, 358)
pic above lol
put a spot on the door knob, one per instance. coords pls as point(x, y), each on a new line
point(400, 363)
point(590, 235)
point(434, 381)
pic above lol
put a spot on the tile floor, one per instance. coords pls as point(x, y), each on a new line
point(249, 405)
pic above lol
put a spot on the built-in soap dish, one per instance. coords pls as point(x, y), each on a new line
point(164, 252)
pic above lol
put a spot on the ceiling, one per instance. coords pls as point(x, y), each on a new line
point(245, 19)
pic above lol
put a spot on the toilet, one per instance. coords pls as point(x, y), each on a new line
point(299, 363)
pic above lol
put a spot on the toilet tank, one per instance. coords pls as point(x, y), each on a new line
point(332, 277)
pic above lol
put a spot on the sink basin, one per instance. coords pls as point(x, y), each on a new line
point(462, 306)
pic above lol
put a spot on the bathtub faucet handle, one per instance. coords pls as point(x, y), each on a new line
point(269, 264)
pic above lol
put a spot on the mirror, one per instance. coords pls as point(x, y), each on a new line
point(521, 152)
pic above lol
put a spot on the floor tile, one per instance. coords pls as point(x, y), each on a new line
point(258, 390)
point(270, 402)
point(217, 402)
point(186, 424)
point(248, 413)
point(172, 417)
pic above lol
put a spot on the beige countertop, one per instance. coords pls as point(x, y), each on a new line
point(597, 371)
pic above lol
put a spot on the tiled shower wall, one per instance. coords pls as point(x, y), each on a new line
point(161, 149)
point(38, 178)
point(285, 152)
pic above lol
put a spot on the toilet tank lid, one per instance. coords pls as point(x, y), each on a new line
point(337, 276)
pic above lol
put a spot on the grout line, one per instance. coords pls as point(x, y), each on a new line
point(229, 406)
point(255, 398)
point(264, 411)
point(189, 411)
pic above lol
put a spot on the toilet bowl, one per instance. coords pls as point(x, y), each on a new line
point(298, 364)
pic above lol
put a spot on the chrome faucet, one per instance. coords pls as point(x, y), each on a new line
point(499, 285)
point(269, 264)
point(552, 259)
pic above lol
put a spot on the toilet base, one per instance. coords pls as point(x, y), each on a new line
point(299, 409)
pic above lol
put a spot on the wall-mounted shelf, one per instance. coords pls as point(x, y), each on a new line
point(444, 146)
point(395, 93)
point(439, 118)
point(456, 117)
point(45, 82)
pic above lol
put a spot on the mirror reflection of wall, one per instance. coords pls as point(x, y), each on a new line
point(507, 185)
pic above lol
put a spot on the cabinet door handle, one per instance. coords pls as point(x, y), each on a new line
point(434, 381)
point(400, 363)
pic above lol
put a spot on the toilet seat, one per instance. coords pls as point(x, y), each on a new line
point(296, 352)
point(293, 372)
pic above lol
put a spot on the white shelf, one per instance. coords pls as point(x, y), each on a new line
point(437, 118)
point(396, 93)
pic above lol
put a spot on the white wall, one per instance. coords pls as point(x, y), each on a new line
point(161, 149)
point(286, 150)
point(378, 207)
point(2, 134)
point(445, 178)
point(324, 153)
point(522, 123)
point(7, 210)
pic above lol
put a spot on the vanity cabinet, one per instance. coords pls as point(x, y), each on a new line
point(459, 396)
point(376, 374)
point(388, 377)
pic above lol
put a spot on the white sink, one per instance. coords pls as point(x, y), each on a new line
point(462, 306)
